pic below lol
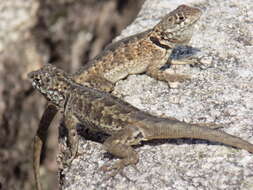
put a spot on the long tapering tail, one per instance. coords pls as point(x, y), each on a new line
point(167, 128)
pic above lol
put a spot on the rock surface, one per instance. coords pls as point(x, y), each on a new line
point(221, 91)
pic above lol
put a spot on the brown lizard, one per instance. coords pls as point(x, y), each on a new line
point(145, 52)
point(126, 125)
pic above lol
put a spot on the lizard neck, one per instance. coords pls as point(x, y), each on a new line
point(59, 92)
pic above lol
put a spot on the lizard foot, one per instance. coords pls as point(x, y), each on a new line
point(118, 146)
point(70, 158)
point(118, 168)
point(177, 78)
point(70, 155)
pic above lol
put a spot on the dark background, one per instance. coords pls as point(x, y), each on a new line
point(66, 33)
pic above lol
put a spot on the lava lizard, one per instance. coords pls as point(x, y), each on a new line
point(126, 125)
point(146, 52)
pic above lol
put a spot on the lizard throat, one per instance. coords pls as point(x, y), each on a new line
point(54, 96)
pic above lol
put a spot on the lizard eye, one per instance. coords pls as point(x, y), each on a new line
point(36, 82)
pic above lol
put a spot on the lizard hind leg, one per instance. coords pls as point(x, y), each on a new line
point(119, 145)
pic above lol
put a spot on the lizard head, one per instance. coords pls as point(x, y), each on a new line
point(51, 82)
point(177, 26)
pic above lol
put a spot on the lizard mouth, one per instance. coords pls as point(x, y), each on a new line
point(36, 83)
point(191, 23)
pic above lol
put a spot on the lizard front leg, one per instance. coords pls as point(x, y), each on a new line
point(72, 137)
point(155, 72)
point(119, 145)
point(185, 61)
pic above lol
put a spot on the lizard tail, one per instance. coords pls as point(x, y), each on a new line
point(175, 129)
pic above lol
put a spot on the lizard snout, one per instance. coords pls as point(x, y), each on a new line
point(35, 77)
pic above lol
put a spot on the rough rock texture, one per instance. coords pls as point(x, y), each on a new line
point(33, 32)
point(221, 91)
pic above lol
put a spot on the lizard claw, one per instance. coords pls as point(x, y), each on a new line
point(71, 156)
point(117, 167)
point(106, 168)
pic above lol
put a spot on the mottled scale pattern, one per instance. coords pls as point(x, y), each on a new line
point(107, 113)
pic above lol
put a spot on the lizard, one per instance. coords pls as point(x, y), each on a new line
point(145, 52)
point(126, 124)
